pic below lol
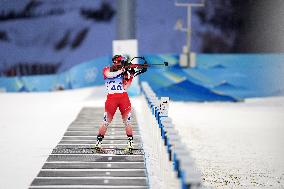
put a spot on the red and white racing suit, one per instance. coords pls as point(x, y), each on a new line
point(117, 97)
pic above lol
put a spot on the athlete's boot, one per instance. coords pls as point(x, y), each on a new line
point(130, 144)
point(98, 145)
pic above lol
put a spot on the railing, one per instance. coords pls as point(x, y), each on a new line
point(176, 151)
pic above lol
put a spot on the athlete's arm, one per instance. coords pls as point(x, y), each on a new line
point(108, 74)
point(127, 82)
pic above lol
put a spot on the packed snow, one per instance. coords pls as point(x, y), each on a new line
point(31, 125)
point(235, 145)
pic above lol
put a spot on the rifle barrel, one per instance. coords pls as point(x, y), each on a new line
point(164, 64)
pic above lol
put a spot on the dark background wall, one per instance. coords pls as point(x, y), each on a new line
point(236, 26)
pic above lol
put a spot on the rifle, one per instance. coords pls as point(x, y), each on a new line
point(135, 69)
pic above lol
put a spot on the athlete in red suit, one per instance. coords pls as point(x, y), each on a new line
point(116, 82)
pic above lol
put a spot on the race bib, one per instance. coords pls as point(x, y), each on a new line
point(114, 85)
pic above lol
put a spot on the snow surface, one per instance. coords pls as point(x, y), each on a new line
point(234, 144)
point(31, 125)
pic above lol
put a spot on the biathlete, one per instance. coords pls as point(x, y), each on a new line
point(116, 82)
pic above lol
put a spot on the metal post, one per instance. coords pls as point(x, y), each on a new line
point(125, 23)
point(188, 28)
point(185, 57)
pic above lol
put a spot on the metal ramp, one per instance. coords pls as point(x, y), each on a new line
point(74, 164)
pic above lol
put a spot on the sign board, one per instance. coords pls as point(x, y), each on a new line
point(164, 106)
point(125, 47)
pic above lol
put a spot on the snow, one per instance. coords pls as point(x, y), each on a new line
point(31, 125)
point(234, 144)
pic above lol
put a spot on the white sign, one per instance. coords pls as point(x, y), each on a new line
point(125, 47)
point(164, 106)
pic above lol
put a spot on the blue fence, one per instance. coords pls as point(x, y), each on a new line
point(82, 75)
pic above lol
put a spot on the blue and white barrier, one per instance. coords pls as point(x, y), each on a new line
point(86, 74)
point(177, 152)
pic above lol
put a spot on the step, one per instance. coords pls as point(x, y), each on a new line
point(94, 158)
point(94, 165)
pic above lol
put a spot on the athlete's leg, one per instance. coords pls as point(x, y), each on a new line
point(128, 128)
point(125, 110)
point(107, 120)
point(110, 108)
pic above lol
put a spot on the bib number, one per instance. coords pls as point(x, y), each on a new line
point(116, 87)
